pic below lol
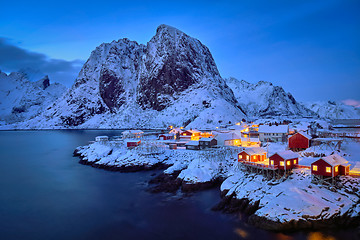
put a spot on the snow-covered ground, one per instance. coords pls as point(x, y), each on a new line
point(281, 201)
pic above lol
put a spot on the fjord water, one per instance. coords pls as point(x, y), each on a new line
point(47, 194)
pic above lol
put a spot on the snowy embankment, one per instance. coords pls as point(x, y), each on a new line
point(295, 203)
point(291, 203)
point(191, 167)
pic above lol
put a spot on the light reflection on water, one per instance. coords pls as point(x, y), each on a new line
point(46, 194)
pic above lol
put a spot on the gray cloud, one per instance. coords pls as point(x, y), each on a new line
point(13, 58)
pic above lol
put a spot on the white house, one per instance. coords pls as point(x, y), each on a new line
point(273, 133)
point(101, 138)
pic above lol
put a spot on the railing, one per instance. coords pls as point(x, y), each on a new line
point(301, 166)
point(258, 165)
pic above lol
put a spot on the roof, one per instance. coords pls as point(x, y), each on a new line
point(254, 150)
point(133, 141)
point(223, 136)
point(335, 160)
point(132, 132)
point(288, 154)
point(102, 137)
point(304, 134)
point(273, 129)
point(193, 131)
point(175, 130)
point(192, 143)
point(206, 139)
point(167, 135)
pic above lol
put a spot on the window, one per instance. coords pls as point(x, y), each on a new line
point(328, 169)
point(294, 161)
point(281, 163)
point(247, 157)
point(315, 168)
point(336, 168)
point(254, 157)
point(271, 162)
point(288, 163)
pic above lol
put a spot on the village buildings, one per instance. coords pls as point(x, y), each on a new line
point(273, 133)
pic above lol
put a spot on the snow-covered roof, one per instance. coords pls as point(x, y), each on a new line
point(304, 134)
point(223, 136)
point(335, 160)
point(288, 154)
point(175, 130)
point(206, 139)
point(254, 150)
point(193, 131)
point(132, 132)
point(133, 141)
point(102, 137)
point(273, 129)
point(167, 135)
point(192, 143)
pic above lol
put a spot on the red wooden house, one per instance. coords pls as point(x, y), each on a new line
point(166, 136)
point(133, 143)
point(299, 141)
point(330, 166)
point(252, 154)
point(284, 160)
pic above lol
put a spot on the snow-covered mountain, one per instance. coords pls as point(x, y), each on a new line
point(123, 84)
point(22, 99)
point(264, 99)
point(333, 110)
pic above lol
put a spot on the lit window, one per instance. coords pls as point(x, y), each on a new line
point(294, 161)
point(336, 168)
point(315, 168)
point(281, 163)
point(247, 157)
point(328, 169)
point(288, 163)
point(271, 162)
point(254, 157)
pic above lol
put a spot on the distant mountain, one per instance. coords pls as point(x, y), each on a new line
point(263, 99)
point(22, 99)
point(172, 80)
point(333, 110)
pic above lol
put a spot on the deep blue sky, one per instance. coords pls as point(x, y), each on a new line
point(311, 48)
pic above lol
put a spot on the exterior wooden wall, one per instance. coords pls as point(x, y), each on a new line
point(276, 158)
point(322, 169)
point(298, 141)
point(253, 158)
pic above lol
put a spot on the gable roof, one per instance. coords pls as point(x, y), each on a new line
point(223, 136)
point(335, 160)
point(206, 139)
point(254, 150)
point(273, 129)
point(192, 143)
point(288, 154)
point(304, 134)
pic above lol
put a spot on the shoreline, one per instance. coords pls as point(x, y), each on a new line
point(170, 181)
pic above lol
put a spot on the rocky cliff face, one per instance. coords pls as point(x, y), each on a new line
point(22, 99)
point(264, 99)
point(171, 80)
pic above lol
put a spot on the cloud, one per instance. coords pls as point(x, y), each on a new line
point(352, 102)
point(13, 58)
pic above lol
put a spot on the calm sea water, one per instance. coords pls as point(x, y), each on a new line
point(46, 194)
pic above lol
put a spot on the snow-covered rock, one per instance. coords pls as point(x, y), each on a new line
point(263, 99)
point(333, 110)
point(22, 99)
point(173, 80)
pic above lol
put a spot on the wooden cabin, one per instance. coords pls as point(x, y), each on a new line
point(192, 145)
point(284, 160)
point(227, 138)
point(330, 166)
point(299, 141)
point(207, 142)
point(173, 146)
point(166, 136)
point(132, 134)
point(252, 154)
point(101, 138)
point(132, 143)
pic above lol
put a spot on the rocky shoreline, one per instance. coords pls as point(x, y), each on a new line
point(178, 177)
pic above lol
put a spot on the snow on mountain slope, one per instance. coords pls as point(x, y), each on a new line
point(172, 80)
point(265, 99)
point(333, 110)
point(21, 99)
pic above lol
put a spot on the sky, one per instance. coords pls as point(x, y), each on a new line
point(310, 48)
